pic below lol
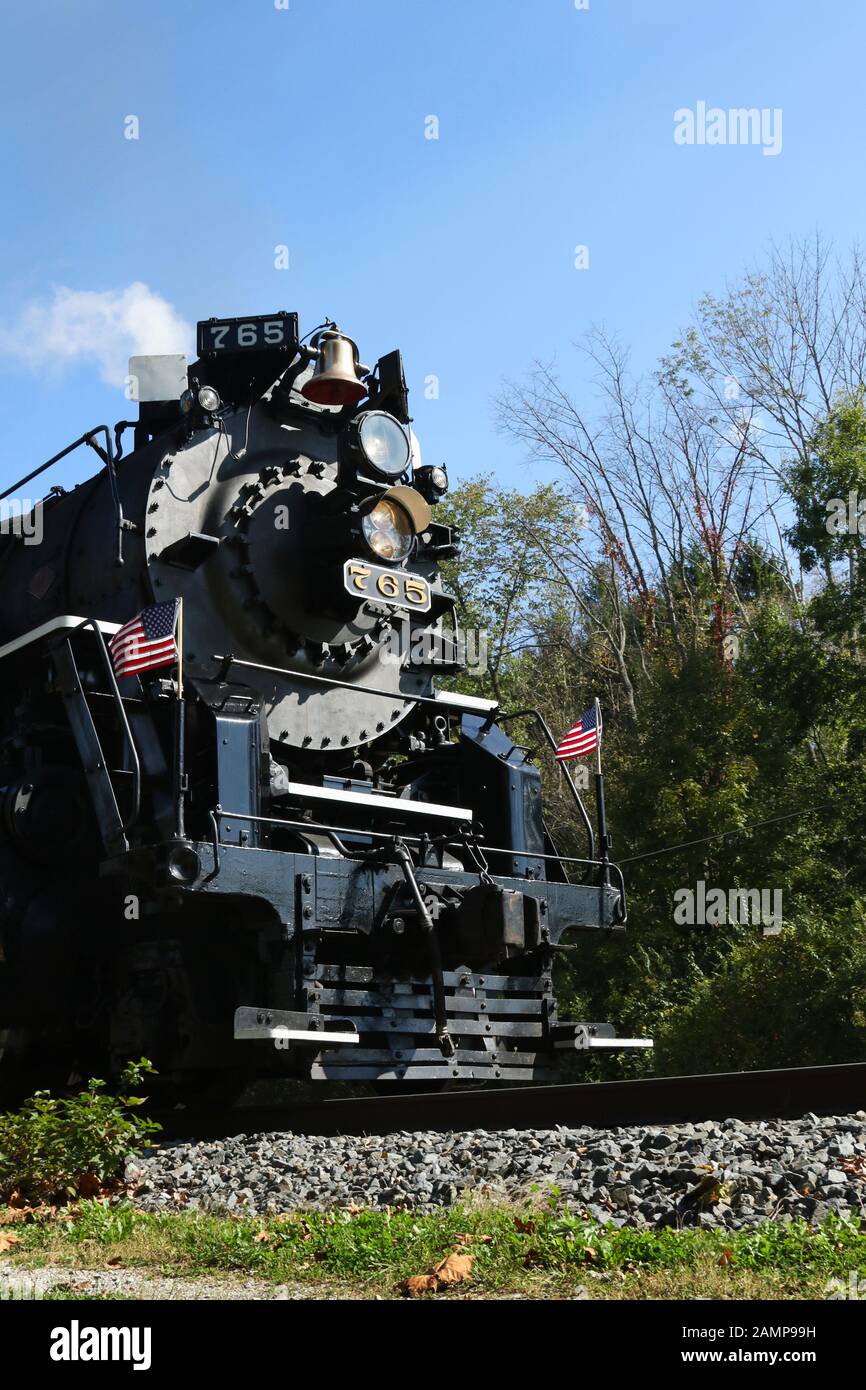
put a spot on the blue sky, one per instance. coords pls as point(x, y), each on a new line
point(305, 126)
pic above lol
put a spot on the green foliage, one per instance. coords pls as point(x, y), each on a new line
point(537, 1244)
point(505, 576)
point(821, 480)
point(53, 1147)
point(798, 999)
point(717, 745)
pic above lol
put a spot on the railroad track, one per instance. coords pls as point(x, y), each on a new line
point(749, 1095)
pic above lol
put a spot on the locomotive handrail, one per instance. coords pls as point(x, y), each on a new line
point(59, 624)
point(93, 624)
point(491, 708)
point(473, 705)
point(107, 457)
point(545, 728)
point(219, 813)
point(68, 624)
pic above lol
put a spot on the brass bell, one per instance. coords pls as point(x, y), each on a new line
point(336, 378)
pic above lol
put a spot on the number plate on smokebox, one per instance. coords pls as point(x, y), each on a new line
point(260, 333)
point(380, 585)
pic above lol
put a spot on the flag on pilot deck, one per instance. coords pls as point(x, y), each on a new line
point(146, 641)
point(582, 738)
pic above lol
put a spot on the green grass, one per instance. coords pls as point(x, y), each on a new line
point(540, 1252)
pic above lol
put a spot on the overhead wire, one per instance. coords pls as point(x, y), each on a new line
point(725, 834)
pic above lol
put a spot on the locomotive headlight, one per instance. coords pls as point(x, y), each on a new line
point(209, 399)
point(382, 442)
point(388, 530)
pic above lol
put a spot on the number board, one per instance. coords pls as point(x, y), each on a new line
point(381, 585)
point(263, 333)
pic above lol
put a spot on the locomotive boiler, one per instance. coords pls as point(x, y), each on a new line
point(286, 851)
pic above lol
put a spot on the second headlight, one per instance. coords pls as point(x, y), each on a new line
point(388, 530)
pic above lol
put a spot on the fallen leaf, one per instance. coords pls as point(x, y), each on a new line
point(262, 1236)
point(114, 1260)
point(454, 1269)
point(7, 1241)
point(14, 1216)
point(588, 1253)
point(526, 1228)
point(88, 1184)
point(420, 1283)
point(726, 1257)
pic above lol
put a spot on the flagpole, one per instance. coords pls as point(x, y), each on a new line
point(180, 732)
point(601, 814)
point(180, 649)
point(598, 735)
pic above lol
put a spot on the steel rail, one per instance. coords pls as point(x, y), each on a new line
point(747, 1095)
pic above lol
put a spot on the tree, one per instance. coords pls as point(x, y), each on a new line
point(821, 481)
point(672, 502)
point(682, 569)
point(501, 580)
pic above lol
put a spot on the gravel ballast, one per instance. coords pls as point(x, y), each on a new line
point(728, 1173)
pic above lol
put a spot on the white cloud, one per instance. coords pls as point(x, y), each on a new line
point(106, 327)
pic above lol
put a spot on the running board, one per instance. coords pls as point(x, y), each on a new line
point(581, 1037)
point(282, 1027)
point(393, 806)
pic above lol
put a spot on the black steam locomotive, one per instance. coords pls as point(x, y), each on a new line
point(287, 853)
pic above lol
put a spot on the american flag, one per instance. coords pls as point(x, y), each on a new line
point(147, 641)
point(582, 738)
